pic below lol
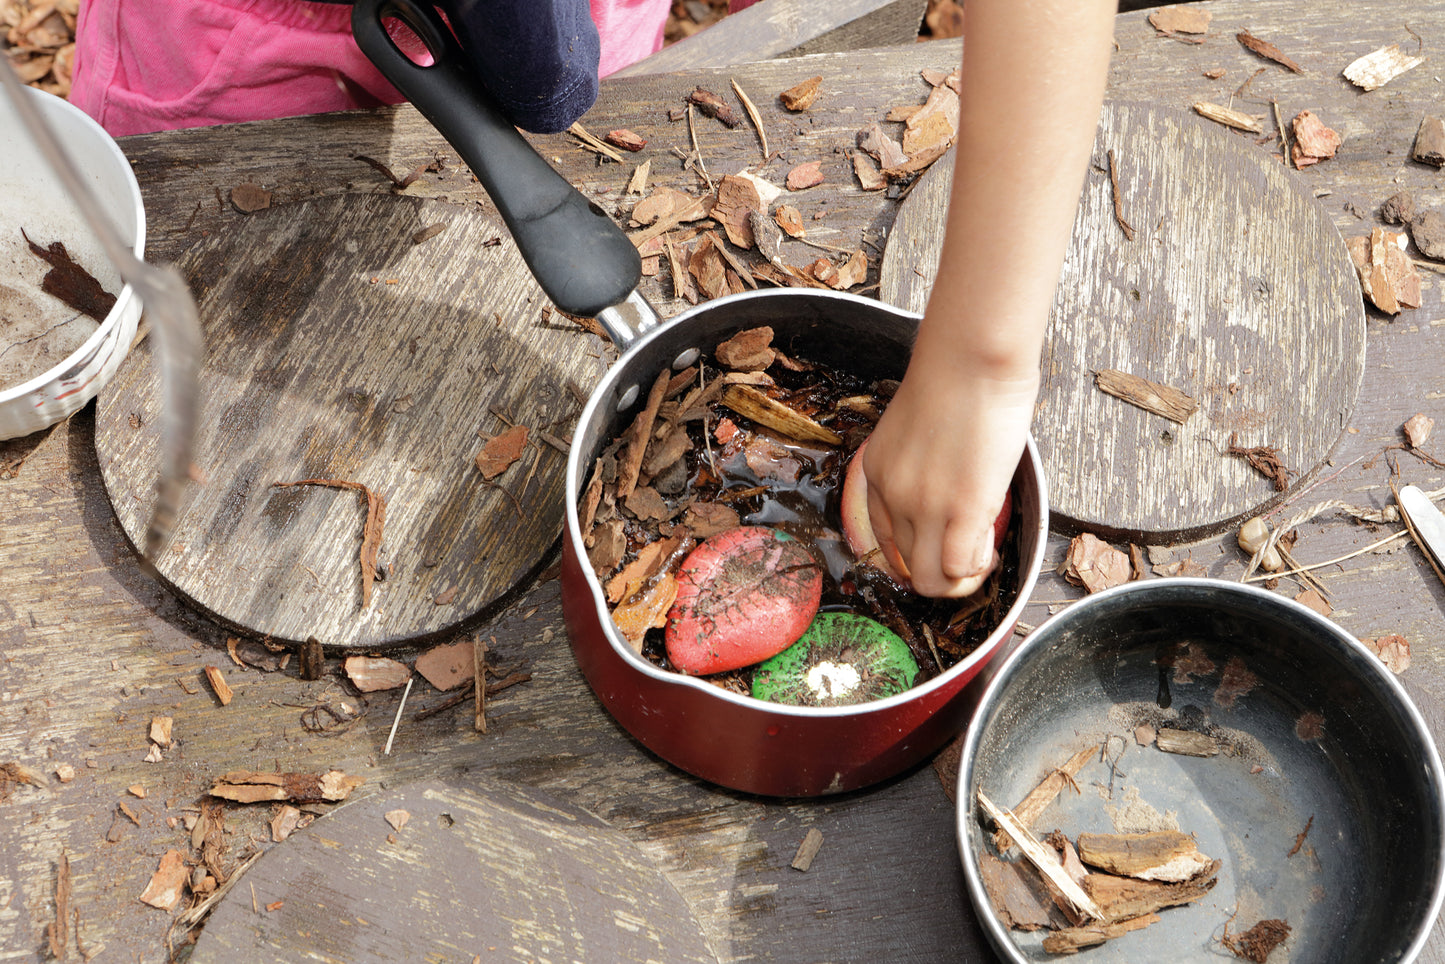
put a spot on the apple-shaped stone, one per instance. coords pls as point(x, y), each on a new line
point(858, 528)
point(743, 596)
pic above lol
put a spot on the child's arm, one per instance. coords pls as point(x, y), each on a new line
point(946, 448)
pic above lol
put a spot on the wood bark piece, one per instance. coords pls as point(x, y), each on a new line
point(1186, 742)
point(1256, 943)
point(1041, 857)
point(1228, 117)
point(287, 819)
point(1429, 147)
point(736, 198)
point(164, 889)
point(865, 168)
point(1094, 564)
point(250, 198)
point(1313, 141)
point(714, 106)
point(699, 208)
point(446, 666)
point(501, 451)
point(1167, 855)
point(808, 849)
point(160, 731)
point(372, 674)
point(1162, 400)
point(1071, 940)
point(790, 220)
point(805, 175)
point(1038, 799)
point(638, 436)
point(1180, 18)
point(247, 786)
point(1266, 50)
point(750, 350)
point(800, 97)
point(1387, 276)
point(1018, 894)
point(637, 183)
point(1120, 898)
point(625, 139)
point(751, 403)
point(1378, 67)
point(884, 149)
point(219, 686)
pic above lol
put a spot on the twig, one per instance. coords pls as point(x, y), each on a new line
point(479, 672)
point(1283, 133)
point(1118, 199)
point(1299, 840)
point(821, 245)
point(592, 143)
point(932, 646)
point(399, 707)
point(1302, 572)
point(753, 116)
point(1047, 864)
point(697, 151)
point(492, 690)
point(196, 914)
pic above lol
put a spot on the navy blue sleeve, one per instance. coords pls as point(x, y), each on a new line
point(538, 58)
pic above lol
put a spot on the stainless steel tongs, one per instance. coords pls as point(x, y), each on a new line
point(169, 309)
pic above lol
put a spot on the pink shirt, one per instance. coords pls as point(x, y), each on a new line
point(150, 65)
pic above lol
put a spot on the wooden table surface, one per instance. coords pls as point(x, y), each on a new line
point(91, 648)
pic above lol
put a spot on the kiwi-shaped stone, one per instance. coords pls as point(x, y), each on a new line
point(840, 660)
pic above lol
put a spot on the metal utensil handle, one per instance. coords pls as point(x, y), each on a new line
point(168, 306)
point(581, 258)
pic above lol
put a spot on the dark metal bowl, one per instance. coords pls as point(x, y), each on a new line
point(1326, 737)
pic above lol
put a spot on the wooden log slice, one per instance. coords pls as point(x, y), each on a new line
point(491, 871)
point(337, 347)
point(1237, 290)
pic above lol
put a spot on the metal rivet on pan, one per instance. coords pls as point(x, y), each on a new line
point(628, 397)
point(685, 359)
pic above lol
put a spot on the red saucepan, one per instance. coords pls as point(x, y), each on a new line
point(589, 267)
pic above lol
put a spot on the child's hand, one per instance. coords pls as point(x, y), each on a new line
point(943, 454)
point(938, 466)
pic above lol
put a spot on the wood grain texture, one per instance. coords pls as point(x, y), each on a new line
point(788, 28)
point(337, 348)
point(91, 647)
point(1236, 290)
point(480, 868)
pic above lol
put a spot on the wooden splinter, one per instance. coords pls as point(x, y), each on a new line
point(1158, 399)
point(1041, 857)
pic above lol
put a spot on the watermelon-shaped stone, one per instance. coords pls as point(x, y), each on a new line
point(842, 659)
point(742, 596)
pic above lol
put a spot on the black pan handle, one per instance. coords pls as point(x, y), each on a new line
point(577, 253)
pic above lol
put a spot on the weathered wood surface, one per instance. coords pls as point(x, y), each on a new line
point(339, 348)
point(90, 647)
point(790, 28)
point(1236, 289)
point(476, 868)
